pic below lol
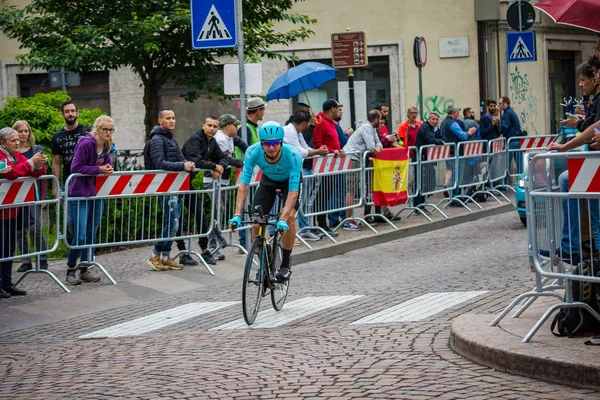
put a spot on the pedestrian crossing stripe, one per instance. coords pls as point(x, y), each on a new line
point(158, 320)
point(413, 310)
point(419, 308)
point(213, 28)
point(520, 50)
point(291, 311)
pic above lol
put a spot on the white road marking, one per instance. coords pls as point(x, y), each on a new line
point(291, 311)
point(158, 320)
point(419, 308)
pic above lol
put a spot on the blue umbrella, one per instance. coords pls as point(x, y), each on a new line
point(298, 79)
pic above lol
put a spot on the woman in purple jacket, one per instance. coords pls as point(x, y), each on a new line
point(91, 157)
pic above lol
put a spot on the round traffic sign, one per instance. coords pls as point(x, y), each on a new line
point(527, 16)
point(422, 51)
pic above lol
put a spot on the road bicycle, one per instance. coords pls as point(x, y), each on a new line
point(262, 262)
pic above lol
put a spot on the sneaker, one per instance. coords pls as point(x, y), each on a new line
point(309, 236)
point(25, 267)
point(208, 258)
point(90, 275)
point(186, 259)
point(217, 254)
point(352, 226)
point(73, 279)
point(392, 217)
point(317, 232)
point(44, 264)
point(222, 241)
point(371, 220)
point(156, 263)
point(283, 274)
point(171, 264)
point(329, 231)
point(424, 210)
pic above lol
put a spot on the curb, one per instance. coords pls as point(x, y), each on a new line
point(494, 347)
point(362, 242)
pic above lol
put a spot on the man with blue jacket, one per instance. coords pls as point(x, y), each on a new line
point(510, 127)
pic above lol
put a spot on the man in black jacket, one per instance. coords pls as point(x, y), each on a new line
point(206, 154)
point(428, 134)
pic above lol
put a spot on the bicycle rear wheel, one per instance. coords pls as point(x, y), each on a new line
point(280, 289)
point(253, 282)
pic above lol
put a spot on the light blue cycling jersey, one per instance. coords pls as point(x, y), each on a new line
point(289, 166)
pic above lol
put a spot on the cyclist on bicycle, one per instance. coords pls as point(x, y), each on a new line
point(281, 166)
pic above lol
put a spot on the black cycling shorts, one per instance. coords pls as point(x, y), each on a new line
point(265, 194)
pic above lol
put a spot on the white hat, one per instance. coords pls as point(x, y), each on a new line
point(255, 103)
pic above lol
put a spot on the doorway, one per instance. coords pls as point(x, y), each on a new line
point(561, 74)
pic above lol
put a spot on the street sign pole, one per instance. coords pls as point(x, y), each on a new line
point(351, 92)
point(240, 36)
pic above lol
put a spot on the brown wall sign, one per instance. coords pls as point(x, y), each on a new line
point(349, 49)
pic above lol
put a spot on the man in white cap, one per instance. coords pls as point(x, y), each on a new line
point(256, 112)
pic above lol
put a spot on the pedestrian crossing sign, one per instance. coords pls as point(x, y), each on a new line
point(213, 24)
point(520, 46)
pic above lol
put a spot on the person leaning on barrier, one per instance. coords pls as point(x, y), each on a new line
point(28, 148)
point(281, 165)
point(326, 134)
point(91, 157)
point(17, 166)
point(204, 151)
point(227, 139)
point(453, 133)
point(488, 124)
point(293, 136)
point(172, 159)
point(429, 134)
point(365, 138)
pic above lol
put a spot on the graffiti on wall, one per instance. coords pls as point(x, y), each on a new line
point(520, 85)
point(435, 103)
point(524, 100)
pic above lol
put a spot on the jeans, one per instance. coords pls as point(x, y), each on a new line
point(171, 214)
point(8, 232)
point(36, 234)
point(194, 202)
point(86, 215)
point(303, 220)
point(337, 200)
point(570, 242)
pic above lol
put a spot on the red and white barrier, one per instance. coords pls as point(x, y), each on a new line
point(535, 142)
point(473, 149)
point(256, 175)
point(438, 153)
point(497, 146)
point(17, 192)
point(331, 164)
point(584, 175)
point(149, 183)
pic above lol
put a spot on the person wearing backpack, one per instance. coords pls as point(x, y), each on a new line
point(163, 152)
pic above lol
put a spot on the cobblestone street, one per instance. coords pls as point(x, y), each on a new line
point(325, 353)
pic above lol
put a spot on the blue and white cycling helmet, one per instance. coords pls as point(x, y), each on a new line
point(271, 131)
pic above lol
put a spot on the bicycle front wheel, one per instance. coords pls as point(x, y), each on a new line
point(253, 282)
point(280, 289)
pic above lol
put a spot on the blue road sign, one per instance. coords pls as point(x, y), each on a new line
point(520, 46)
point(213, 24)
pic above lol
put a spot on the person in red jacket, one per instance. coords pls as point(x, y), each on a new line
point(325, 134)
point(16, 166)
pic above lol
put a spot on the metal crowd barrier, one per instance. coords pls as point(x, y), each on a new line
point(471, 172)
point(325, 190)
point(128, 209)
point(517, 147)
point(563, 224)
point(35, 227)
point(433, 159)
point(414, 184)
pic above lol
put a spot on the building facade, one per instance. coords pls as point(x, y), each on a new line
point(466, 64)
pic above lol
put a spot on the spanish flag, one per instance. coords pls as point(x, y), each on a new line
point(390, 177)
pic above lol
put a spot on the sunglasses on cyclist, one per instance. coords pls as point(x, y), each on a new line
point(270, 143)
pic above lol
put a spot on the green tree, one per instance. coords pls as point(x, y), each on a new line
point(152, 37)
point(42, 112)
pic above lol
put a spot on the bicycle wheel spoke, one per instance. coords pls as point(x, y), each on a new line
point(280, 289)
point(253, 283)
